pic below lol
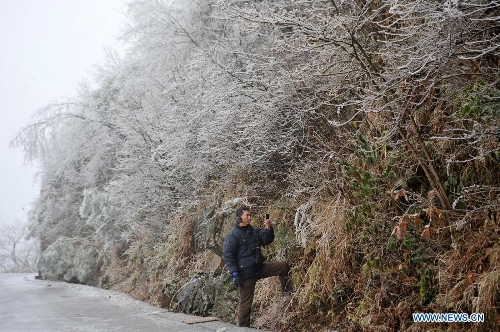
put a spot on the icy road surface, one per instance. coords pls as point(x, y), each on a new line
point(27, 304)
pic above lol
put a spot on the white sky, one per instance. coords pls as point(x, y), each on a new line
point(46, 48)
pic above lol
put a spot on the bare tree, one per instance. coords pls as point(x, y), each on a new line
point(18, 252)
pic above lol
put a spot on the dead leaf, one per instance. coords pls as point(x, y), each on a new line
point(440, 219)
point(416, 218)
point(433, 213)
point(400, 193)
point(427, 231)
point(431, 194)
point(470, 277)
point(402, 222)
point(428, 213)
point(398, 232)
point(399, 229)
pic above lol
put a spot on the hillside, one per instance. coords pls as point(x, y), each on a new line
point(369, 130)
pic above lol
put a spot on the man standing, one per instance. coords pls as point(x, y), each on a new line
point(244, 259)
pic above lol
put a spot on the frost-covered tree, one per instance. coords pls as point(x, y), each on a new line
point(185, 107)
point(394, 66)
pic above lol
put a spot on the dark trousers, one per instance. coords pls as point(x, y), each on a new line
point(280, 269)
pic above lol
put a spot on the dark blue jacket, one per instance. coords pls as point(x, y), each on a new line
point(242, 249)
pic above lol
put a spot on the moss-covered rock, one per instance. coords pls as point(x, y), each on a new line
point(209, 295)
